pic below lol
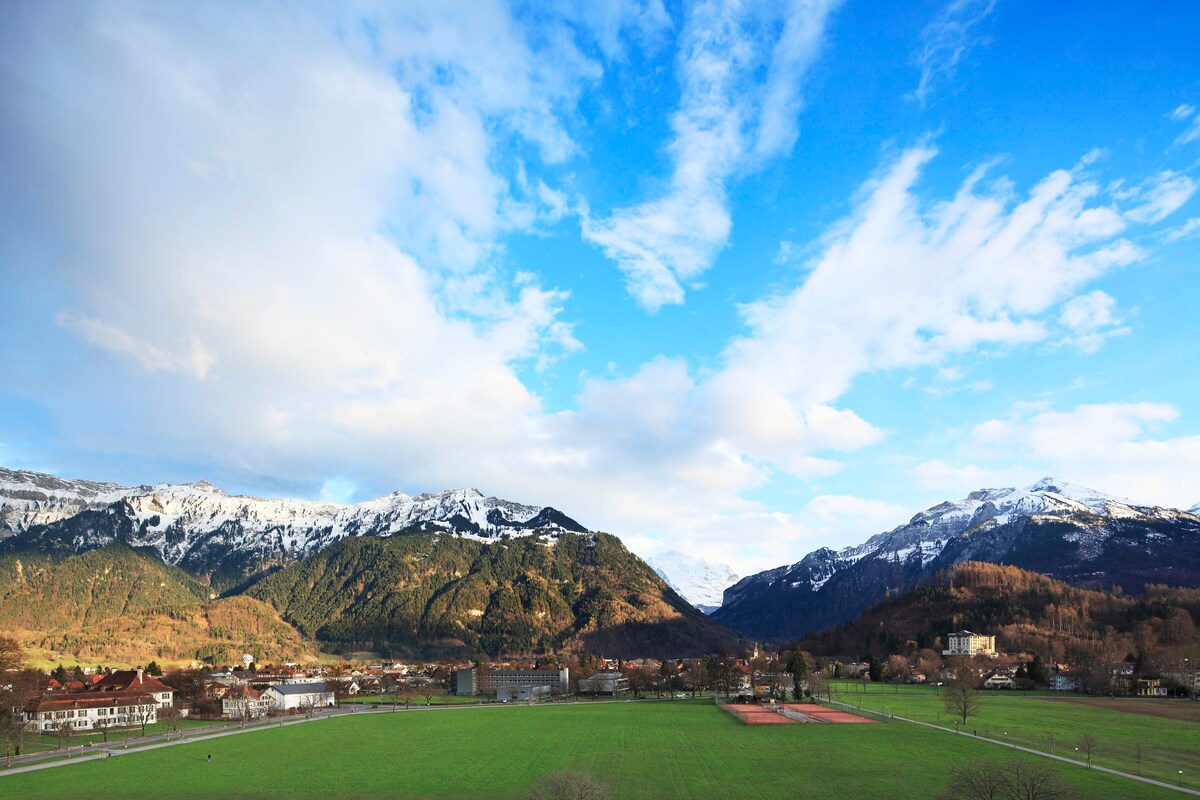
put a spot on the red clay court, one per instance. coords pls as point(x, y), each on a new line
point(827, 714)
point(750, 714)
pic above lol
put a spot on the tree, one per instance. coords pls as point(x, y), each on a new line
point(818, 684)
point(962, 695)
point(1017, 780)
point(898, 670)
point(143, 715)
point(63, 730)
point(12, 729)
point(154, 669)
point(799, 667)
point(568, 786)
point(171, 714)
point(1087, 743)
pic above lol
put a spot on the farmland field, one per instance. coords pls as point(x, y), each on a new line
point(1167, 731)
point(642, 750)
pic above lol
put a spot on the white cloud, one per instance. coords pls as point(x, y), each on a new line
point(1188, 230)
point(300, 210)
point(902, 283)
point(1182, 112)
point(1089, 320)
point(726, 123)
point(946, 41)
point(1159, 197)
point(191, 357)
point(1113, 447)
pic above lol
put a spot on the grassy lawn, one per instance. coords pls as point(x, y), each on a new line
point(37, 743)
point(415, 700)
point(647, 750)
point(1054, 722)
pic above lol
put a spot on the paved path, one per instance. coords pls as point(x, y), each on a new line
point(1011, 746)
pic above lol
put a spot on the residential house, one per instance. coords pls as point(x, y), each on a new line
point(135, 680)
point(1065, 682)
point(242, 702)
point(998, 680)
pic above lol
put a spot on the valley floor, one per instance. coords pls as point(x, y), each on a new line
point(665, 749)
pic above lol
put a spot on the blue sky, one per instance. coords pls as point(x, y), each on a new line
point(736, 279)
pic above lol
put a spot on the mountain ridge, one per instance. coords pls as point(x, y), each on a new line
point(229, 538)
point(450, 573)
point(1053, 526)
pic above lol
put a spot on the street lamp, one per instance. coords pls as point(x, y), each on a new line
point(1181, 778)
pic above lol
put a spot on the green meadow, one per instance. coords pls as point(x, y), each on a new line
point(1167, 731)
point(641, 750)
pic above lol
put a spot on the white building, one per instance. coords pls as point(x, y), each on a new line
point(86, 711)
point(966, 643)
point(299, 696)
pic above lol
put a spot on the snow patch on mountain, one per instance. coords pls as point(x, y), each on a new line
point(702, 583)
point(182, 521)
point(925, 535)
point(32, 498)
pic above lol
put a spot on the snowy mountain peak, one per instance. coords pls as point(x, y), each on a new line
point(1096, 501)
point(928, 532)
point(197, 522)
point(700, 582)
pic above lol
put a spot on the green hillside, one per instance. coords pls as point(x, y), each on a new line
point(1026, 611)
point(119, 606)
point(430, 594)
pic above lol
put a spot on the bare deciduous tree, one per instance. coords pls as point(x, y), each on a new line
point(568, 786)
point(962, 695)
point(1017, 780)
point(1087, 743)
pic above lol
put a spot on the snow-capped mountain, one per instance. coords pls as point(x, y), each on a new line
point(1054, 526)
point(702, 583)
point(201, 528)
point(32, 498)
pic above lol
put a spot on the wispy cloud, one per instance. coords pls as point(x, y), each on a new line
point(1188, 230)
point(1115, 447)
point(946, 41)
point(727, 121)
point(1191, 133)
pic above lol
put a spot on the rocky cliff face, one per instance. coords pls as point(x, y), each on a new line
point(1054, 527)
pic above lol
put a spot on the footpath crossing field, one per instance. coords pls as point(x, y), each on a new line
point(1154, 737)
point(679, 749)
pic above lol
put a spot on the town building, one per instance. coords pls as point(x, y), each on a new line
point(469, 682)
point(244, 702)
point(999, 681)
point(135, 680)
point(87, 711)
point(604, 683)
point(966, 643)
point(299, 696)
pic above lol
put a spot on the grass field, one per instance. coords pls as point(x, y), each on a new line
point(642, 750)
point(1168, 731)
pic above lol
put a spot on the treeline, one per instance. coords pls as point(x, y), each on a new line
point(1026, 611)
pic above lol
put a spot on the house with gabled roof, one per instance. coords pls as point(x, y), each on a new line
point(299, 696)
